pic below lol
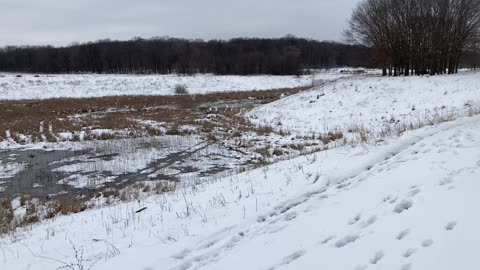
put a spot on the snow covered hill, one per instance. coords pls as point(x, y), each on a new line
point(375, 103)
point(407, 203)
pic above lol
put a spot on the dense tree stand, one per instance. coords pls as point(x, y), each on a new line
point(416, 36)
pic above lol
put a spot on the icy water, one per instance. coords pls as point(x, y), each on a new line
point(90, 167)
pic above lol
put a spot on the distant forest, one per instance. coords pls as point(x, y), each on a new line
point(284, 56)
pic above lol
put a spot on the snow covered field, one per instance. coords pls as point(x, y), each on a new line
point(409, 203)
point(405, 203)
point(374, 103)
point(77, 86)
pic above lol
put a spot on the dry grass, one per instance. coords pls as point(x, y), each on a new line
point(277, 152)
point(120, 113)
point(331, 137)
point(211, 116)
point(6, 216)
point(36, 211)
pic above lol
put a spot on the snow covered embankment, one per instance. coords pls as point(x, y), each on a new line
point(375, 104)
point(407, 204)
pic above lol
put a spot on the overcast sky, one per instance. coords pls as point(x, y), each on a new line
point(61, 22)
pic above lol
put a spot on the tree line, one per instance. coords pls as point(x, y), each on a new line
point(284, 56)
point(417, 36)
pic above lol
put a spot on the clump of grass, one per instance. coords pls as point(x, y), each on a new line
point(153, 131)
point(264, 152)
point(236, 134)
point(131, 193)
point(298, 147)
point(50, 137)
point(211, 137)
point(106, 136)
point(31, 214)
point(264, 129)
point(76, 137)
point(277, 152)
point(331, 137)
point(6, 216)
point(65, 206)
point(174, 130)
point(162, 187)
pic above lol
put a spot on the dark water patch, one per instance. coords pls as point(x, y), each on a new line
point(44, 178)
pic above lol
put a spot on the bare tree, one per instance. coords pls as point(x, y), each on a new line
point(415, 36)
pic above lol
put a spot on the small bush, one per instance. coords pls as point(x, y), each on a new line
point(181, 89)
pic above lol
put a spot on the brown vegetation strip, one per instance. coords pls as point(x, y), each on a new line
point(72, 115)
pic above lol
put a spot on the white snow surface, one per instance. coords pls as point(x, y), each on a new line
point(373, 103)
point(90, 85)
point(407, 203)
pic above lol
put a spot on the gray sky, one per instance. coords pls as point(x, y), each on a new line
point(61, 22)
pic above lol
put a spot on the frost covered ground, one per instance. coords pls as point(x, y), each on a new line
point(408, 203)
point(75, 86)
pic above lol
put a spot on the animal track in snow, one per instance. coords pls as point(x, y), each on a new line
point(369, 221)
point(326, 240)
point(210, 254)
point(346, 240)
point(274, 229)
point(407, 266)
point(427, 242)
point(289, 259)
point(409, 252)
point(403, 233)
point(403, 206)
point(445, 181)
point(279, 210)
point(290, 216)
point(343, 185)
point(355, 219)
point(390, 199)
point(414, 192)
point(181, 255)
point(292, 257)
point(451, 225)
point(377, 257)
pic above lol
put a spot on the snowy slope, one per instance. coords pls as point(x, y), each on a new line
point(90, 85)
point(409, 203)
point(374, 102)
